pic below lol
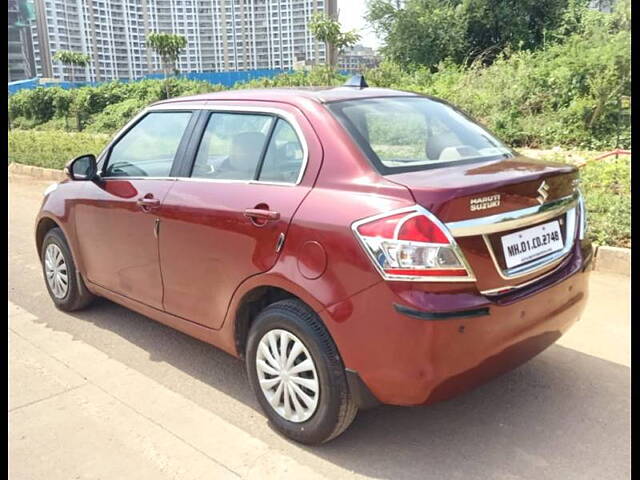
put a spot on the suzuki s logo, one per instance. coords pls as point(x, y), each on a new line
point(543, 190)
point(482, 203)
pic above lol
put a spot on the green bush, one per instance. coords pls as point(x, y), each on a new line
point(564, 95)
point(317, 76)
point(37, 104)
point(52, 149)
point(115, 116)
point(607, 190)
point(606, 184)
point(104, 108)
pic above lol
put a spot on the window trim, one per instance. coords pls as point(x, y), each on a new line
point(184, 162)
point(277, 113)
point(105, 156)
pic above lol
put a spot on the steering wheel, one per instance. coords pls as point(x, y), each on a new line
point(203, 169)
point(457, 152)
point(125, 169)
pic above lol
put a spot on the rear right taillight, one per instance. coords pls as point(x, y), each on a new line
point(582, 212)
point(412, 244)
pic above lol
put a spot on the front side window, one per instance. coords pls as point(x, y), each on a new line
point(149, 147)
point(413, 133)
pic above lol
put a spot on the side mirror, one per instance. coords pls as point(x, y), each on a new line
point(83, 167)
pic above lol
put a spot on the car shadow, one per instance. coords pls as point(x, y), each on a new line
point(564, 414)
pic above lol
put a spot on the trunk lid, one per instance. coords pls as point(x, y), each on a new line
point(471, 191)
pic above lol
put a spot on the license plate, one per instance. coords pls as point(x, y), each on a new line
point(532, 243)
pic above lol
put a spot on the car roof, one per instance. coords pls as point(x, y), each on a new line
point(295, 95)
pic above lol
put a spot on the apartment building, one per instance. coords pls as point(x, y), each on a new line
point(602, 5)
point(222, 35)
point(357, 58)
point(20, 61)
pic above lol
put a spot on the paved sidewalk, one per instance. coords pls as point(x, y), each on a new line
point(122, 422)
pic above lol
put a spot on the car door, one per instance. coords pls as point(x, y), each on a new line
point(116, 222)
point(226, 219)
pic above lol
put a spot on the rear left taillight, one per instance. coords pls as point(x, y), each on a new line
point(412, 244)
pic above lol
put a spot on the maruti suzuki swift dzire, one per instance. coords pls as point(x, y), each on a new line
point(354, 246)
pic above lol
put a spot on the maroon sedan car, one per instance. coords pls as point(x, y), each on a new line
point(355, 246)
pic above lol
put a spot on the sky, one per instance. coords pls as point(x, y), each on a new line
point(351, 16)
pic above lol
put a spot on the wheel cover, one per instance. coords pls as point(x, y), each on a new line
point(287, 375)
point(55, 269)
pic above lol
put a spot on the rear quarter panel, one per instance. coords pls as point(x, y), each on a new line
point(335, 267)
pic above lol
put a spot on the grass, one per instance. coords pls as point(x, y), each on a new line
point(606, 183)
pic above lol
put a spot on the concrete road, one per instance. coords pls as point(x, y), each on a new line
point(107, 393)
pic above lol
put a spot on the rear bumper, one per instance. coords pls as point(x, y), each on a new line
point(404, 359)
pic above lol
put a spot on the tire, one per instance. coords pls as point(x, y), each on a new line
point(75, 296)
point(335, 408)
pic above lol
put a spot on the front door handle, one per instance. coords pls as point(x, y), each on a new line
point(148, 202)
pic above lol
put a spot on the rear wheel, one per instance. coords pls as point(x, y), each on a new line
point(297, 374)
point(66, 287)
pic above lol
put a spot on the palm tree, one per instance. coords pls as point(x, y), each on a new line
point(72, 59)
point(169, 47)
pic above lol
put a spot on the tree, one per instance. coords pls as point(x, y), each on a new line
point(426, 32)
point(520, 25)
point(72, 60)
point(169, 47)
point(421, 33)
point(327, 30)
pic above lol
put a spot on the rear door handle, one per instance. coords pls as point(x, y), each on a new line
point(259, 214)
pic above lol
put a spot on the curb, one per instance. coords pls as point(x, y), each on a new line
point(606, 259)
point(37, 172)
point(612, 260)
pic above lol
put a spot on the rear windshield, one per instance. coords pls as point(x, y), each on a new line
point(404, 134)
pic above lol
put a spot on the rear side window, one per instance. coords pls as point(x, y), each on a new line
point(243, 146)
point(284, 157)
point(231, 146)
point(414, 133)
point(149, 147)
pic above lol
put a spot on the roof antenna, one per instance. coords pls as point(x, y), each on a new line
point(356, 81)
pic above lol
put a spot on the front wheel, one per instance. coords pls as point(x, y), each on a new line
point(66, 288)
point(297, 374)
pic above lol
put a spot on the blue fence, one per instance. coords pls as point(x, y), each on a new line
point(228, 79)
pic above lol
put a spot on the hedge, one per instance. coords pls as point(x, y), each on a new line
point(52, 149)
